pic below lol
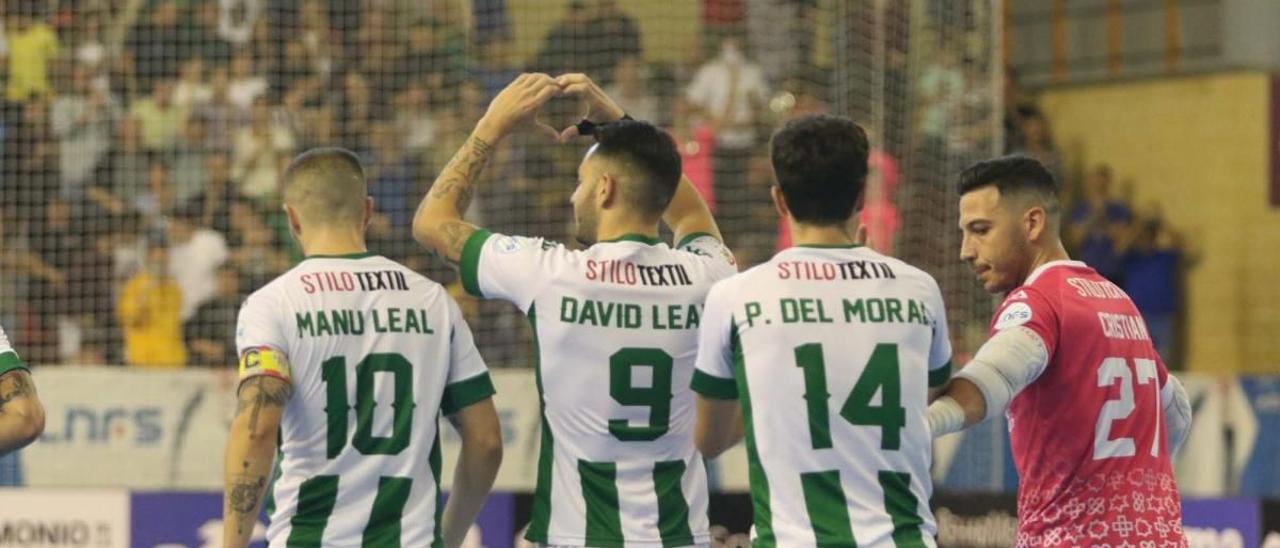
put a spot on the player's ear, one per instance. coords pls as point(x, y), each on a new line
point(368, 211)
point(607, 190)
point(779, 203)
point(1035, 222)
point(295, 226)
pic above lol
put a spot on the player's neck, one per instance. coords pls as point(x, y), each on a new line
point(1053, 252)
point(331, 242)
point(804, 234)
point(612, 229)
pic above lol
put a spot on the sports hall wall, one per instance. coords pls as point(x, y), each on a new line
point(1197, 145)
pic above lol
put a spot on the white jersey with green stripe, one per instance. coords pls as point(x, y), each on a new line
point(615, 329)
point(375, 352)
point(831, 352)
point(9, 359)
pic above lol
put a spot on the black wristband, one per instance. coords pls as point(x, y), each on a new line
point(587, 127)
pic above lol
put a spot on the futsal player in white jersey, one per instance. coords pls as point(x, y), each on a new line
point(615, 325)
point(352, 357)
point(21, 415)
point(826, 357)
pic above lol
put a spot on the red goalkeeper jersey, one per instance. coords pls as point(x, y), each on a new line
point(1088, 435)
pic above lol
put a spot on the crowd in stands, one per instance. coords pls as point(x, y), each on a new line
point(142, 143)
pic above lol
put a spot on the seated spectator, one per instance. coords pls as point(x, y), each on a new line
point(195, 254)
point(1152, 261)
point(245, 85)
point(630, 88)
point(121, 179)
point(82, 120)
point(222, 117)
point(210, 335)
point(32, 46)
point(1037, 140)
point(214, 203)
point(149, 309)
point(191, 89)
point(494, 69)
point(157, 202)
point(393, 185)
point(257, 253)
point(260, 153)
point(1097, 223)
point(160, 118)
point(414, 120)
point(190, 179)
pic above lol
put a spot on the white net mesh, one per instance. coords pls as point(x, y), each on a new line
point(143, 140)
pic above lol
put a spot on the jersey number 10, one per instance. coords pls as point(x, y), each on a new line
point(334, 373)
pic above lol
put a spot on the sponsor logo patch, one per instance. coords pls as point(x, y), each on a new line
point(1014, 314)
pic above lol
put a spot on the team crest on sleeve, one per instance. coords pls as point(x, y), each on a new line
point(1014, 314)
point(507, 244)
point(264, 360)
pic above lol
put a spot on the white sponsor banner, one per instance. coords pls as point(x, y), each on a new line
point(64, 518)
point(109, 426)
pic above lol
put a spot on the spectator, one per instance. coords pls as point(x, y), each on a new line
point(160, 118)
point(494, 69)
point(191, 89)
point(393, 187)
point(941, 89)
point(260, 153)
point(195, 254)
point(697, 141)
point(621, 32)
point(214, 204)
point(1097, 223)
point(153, 45)
point(415, 121)
point(209, 334)
point(1038, 140)
point(149, 310)
point(728, 93)
point(237, 19)
point(630, 88)
point(206, 42)
point(31, 48)
point(222, 117)
point(245, 85)
point(436, 57)
point(82, 120)
point(91, 52)
point(121, 179)
point(1152, 262)
point(565, 45)
point(318, 37)
point(157, 202)
point(190, 178)
point(256, 252)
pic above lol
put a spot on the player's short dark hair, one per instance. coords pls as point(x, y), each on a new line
point(648, 153)
point(327, 183)
point(1014, 175)
point(820, 163)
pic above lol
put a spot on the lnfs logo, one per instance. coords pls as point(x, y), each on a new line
point(103, 425)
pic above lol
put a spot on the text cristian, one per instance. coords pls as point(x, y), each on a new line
point(376, 280)
point(629, 273)
point(827, 271)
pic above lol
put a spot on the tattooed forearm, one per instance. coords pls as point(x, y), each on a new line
point(458, 178)
point(14, 385)
point(243, 494)
point(259, 392)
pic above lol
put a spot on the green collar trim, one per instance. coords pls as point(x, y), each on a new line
point(360, 255)
point(830, 246)
point(633, 237)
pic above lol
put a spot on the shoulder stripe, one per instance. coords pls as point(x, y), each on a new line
point(459, 395)
point(9, 361)
point(469, 262)
point(940, 376)
point(713, 387)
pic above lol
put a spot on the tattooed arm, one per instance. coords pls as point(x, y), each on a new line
point(438, 224)
point(251, 447)
point(21, 415)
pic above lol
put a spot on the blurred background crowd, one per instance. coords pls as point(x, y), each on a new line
point(142, 143)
